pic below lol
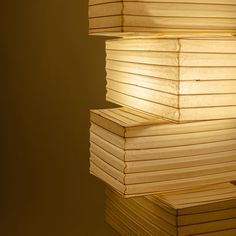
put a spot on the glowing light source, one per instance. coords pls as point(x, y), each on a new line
point(205, 211)
point(139, 154)
point(125, 17)
point(178, 79)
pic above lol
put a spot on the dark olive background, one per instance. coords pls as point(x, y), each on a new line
point(52, 73)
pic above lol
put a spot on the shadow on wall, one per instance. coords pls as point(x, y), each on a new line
point(53, 73)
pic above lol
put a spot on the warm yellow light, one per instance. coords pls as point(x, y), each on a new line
point(177, 79)
point(209, 210)
point(139, 154)
point(125, 17)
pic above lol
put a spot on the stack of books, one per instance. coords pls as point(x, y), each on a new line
point(206, 211)
point(167, 155)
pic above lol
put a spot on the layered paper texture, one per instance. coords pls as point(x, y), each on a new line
point(207, 211)
point(126, 17)
point(177, 79)
point(138, 154)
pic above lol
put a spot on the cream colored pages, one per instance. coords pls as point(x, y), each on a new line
point(213, 212)
point(177, 79)
point(162, 18)
point(147, 155)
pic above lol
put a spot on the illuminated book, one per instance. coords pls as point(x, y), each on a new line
point(162, 17)
point(177, 79)
point(206, 211)
point(138, 154)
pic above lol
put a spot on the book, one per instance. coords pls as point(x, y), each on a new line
point(139, 154)
point(177, 79)
point(209, 210)
point(162, 17)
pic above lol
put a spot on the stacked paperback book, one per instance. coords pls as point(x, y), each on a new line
point(178, 79)
point(200, 211)
point(168, 154)
point(137, 154)
point(142, 17)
